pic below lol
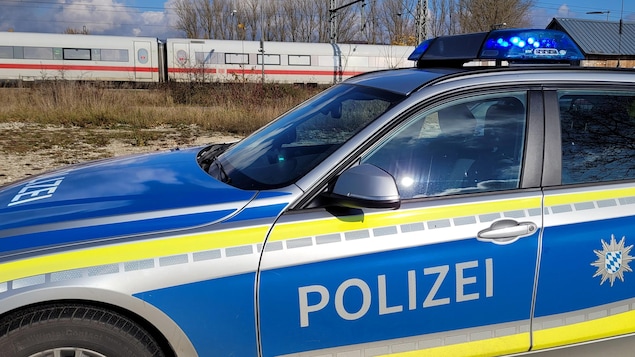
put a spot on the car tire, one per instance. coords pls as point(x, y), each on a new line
point(74, 329)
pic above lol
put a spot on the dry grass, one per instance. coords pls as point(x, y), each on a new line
point(237, 108)
point(53, 124)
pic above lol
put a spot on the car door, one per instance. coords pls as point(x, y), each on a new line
point(450, 271)
point(586, 288)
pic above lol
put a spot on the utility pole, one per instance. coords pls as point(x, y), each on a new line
point(421, 22)
point(333, 21)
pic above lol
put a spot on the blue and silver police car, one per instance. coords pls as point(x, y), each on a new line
point(482, 203)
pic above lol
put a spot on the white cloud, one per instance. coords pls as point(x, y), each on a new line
point(540, 18)
point(170, 16)
point(157, 23)
point(99, 16)
point(564, 11)
point(153, 17)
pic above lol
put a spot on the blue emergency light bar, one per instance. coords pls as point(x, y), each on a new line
point(531, 46)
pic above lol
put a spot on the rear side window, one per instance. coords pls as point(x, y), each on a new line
point(598, 136)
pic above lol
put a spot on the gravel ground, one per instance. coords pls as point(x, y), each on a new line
point(27, 150)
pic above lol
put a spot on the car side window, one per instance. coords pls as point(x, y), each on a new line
point(470, 145)
point(598, 136)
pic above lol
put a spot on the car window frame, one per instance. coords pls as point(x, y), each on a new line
point(532, 157)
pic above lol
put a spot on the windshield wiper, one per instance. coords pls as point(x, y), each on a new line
point(209, 156)
point(223, 175)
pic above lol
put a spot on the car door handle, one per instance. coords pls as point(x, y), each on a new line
point(507, 230)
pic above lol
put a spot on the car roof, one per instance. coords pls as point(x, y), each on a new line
point(403, 81)
point(485, 53)
point(408, 80)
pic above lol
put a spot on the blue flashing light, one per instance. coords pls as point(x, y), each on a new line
point(511, 45)
point(502, 42)
point(420, 50)
point(530, 45)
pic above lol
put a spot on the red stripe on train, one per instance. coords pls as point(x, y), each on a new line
point(267, 71)
point(64, 67)
point(61, 67)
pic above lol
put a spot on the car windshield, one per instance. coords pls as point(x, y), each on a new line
point(283, 151)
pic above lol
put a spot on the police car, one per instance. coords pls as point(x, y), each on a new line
point(481, 203)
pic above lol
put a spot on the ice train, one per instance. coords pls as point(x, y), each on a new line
point(40, 56)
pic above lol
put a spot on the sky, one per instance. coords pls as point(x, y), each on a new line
point(155, 18)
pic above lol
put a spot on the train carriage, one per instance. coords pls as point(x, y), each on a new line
point(290, 62)
point(36, 57)
point(39, 56)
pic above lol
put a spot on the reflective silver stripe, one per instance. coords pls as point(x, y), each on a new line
point(421, 342)
point(593, 313)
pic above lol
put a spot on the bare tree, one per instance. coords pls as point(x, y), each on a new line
point(441, 20)
point(371, 21)
point(484, 15)
point(349, 23)
point(322, 15)
point(251, 17)
point(397, 18)
point(206, 17)
point(289, 19)
point(307, 21)
point(268, 16)
point(187, 15)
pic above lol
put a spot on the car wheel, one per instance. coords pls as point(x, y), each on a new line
point(73, 330)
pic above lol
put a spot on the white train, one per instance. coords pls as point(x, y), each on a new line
point(39, 56)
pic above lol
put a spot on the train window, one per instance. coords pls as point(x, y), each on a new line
point(81, 54)
point(18, 52)
point(114, 55)
point(236, 58)
point(6, 51)
point(204, 57)
point(269, 59)
point(299, 60)
point(95, 54)
point(41, 53)
point(142, 55)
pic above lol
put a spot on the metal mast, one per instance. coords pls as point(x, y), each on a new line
point(421, 22)
point(333, 21)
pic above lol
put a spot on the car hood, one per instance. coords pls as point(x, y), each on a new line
point(116, 197)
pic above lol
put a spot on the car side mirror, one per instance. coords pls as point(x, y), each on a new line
point(365, 186)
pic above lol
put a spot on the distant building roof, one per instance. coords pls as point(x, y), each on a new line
point(599, 39)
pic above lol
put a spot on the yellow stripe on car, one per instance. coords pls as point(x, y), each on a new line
point(119, 253)
point(284, 231)
point(586, 196)
point(605, 327)
point(609, 326)
point(490, 347)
